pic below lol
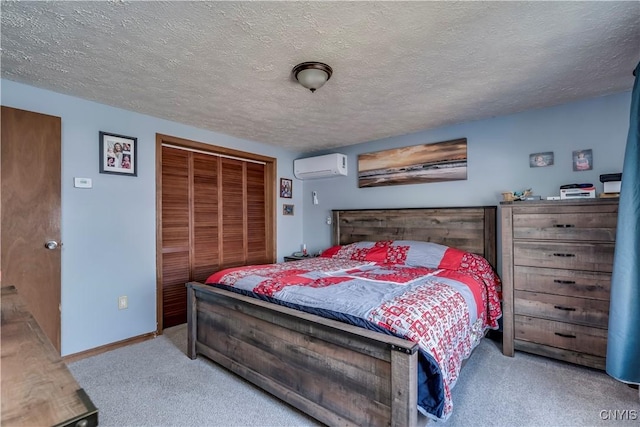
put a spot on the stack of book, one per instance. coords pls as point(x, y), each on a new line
point(609, 195)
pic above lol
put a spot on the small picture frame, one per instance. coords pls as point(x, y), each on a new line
point(286, 188)
point(582, 160)
point(118, 154)
point(540, 160)
point(287, 209)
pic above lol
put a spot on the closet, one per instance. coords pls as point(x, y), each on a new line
point(215, 210)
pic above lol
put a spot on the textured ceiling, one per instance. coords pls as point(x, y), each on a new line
point(399, 67)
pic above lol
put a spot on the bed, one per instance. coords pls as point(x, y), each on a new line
point(356, 367)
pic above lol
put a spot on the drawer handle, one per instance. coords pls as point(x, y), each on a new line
point(565, 282)
point(564, 335)
point(564, 225)
point(559, 307)
point(564, 255)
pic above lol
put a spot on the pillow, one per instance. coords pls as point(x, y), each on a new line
point(409, 252)
point(423, 254)
point(354, 251)
point(331, 252)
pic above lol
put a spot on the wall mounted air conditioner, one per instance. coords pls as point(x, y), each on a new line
point(325, 166)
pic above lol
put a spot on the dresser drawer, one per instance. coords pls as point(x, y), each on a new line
point(573, 256)
point(585, 284)
point(567, 336)
point(597, 225)
point(588, 312)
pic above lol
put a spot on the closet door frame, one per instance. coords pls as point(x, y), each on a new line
point(270, 201)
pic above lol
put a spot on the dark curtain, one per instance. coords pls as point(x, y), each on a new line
point(623, 347)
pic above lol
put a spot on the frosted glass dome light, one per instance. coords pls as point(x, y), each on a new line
point(312, 75)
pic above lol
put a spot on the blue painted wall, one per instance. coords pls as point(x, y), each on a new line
point(109, 231)
point(498, 160)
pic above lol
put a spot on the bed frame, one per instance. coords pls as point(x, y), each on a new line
point(334, 372)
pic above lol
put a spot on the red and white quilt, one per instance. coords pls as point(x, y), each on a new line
point(442, 298)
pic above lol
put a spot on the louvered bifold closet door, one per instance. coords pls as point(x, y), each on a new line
point(234, 226)
point(206, 204)
point(256, 215)
point(175, 235)
point(214, 216)
point(243, 208)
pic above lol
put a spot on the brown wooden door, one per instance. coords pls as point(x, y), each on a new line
point(190, 227)
point(214, 215)
point(176, 265)
point(258, 234)
point(205, 217)
point(31, 165)
point(233, 213)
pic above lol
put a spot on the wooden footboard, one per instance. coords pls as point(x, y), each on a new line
point(337, 373)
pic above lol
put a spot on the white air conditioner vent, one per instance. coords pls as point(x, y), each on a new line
point(326, 166)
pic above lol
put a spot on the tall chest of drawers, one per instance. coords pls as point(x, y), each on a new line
point(557, 259)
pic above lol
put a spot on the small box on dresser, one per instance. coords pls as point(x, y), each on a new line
point(557, 259)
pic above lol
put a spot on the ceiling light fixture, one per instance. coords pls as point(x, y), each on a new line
point(312, 75)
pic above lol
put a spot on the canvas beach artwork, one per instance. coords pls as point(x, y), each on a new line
point(442, 161)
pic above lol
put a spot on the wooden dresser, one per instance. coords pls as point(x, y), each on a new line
point(557, 259)
point(37, 387)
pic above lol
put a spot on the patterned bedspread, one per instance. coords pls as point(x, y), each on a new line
point(442, 298)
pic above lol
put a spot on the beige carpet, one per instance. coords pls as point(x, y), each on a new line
point(154, 383)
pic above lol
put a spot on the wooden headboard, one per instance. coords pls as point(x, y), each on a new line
point(472, 229)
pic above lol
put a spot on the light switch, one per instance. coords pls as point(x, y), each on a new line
point(82, 182)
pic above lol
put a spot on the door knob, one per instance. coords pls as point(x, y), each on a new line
point(51, 245)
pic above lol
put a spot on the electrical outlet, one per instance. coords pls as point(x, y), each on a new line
point(123, 302)
point(328, 220)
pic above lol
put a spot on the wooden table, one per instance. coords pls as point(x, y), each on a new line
point(37, 387)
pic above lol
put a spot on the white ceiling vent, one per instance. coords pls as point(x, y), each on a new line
point(326, 166)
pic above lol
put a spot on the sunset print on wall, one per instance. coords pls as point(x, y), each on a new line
point(442, 161)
